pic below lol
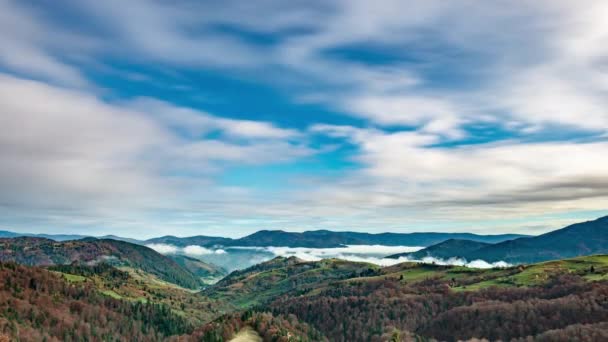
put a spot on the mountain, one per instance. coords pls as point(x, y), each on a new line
point(207, 272)
point(579, 239)
point(279, 238)
point(329, 239)
point(199, 240)
point(444, 250)
point(45, 252)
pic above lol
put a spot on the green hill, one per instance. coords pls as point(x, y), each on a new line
point(280, 276)
point(90, 251)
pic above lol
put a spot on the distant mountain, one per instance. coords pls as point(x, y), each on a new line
point(120, 238)
point(7, 234)
point(444, 250)
point(45, 252)
point(579, 239)
point(199, 240)
point(56, 237)
point(329, 239)
point(279, 238)
point(64, 237)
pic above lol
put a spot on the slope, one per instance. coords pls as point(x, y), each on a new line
point(579, 239)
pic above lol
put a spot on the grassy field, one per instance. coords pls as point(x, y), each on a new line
point(73, 278)
point(592, 268)
point(112, 294)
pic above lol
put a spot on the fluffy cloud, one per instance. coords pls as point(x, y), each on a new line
point(192, 250)
point(67, 155)
point(456, 262)
point(551, 50)
point(438, 74)
point(163, 248)
point(403, 170)
point(374, 254)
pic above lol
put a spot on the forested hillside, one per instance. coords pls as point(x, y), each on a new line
point(45, 252)
point(39, 305)
point(559, 300)
point(287, 299)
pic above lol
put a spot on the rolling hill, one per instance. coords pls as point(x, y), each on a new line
point(350, 301)
point(280, 276)
point(45, 252)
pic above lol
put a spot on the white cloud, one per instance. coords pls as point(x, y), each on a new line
point(163, 248)
point(402, 171)
point(196, 250)
point(68, 156)
point(456, 262)
point(374, 254)
point(192, 250)
point(29, 47)
point(527, 68)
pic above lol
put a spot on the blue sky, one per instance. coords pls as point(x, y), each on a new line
point(153, 117)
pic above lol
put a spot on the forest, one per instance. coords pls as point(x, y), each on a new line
point(329, 300)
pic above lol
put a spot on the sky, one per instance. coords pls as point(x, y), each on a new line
point(149, 117)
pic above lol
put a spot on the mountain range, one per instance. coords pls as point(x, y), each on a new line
point(308, 239)
point(585, 238)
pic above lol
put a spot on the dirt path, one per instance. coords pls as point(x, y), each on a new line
point(247, 334)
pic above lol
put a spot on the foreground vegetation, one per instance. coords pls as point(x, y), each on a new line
point(287, 299)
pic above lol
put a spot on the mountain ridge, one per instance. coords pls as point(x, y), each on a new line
point(280, 238)
point(578, 239)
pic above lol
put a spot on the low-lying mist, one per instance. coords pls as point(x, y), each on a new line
point(235, 258)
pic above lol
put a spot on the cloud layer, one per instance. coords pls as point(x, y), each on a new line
point(369, 116)
point(375, 254)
